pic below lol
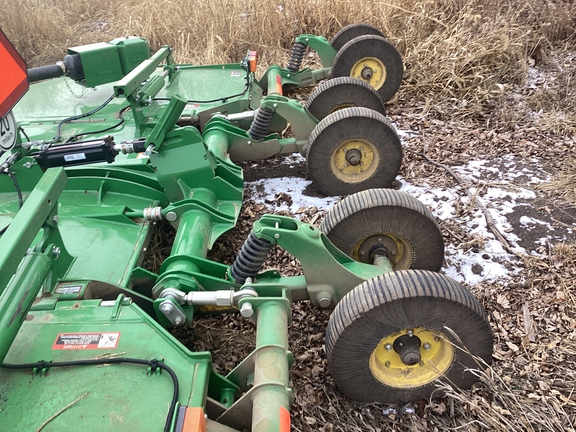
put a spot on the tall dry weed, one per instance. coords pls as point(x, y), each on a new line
point(461, 56)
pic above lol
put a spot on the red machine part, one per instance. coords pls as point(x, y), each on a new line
point(13, 76)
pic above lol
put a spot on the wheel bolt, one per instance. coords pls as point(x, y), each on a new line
point(388, 347)
point(387, 364)
point(410, 333)
point(427, 346)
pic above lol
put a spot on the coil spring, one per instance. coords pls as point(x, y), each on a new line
point(261, 122)
point(295, 60)
point(250, 258)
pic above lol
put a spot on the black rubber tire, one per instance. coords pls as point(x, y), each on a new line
point(353, 124)
point(352, 31)
point(387, 304)
point(343, 92)
point(375, 211)
point(366, 47)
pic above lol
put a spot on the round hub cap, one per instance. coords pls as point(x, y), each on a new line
point(370, 70)
point(411, 358)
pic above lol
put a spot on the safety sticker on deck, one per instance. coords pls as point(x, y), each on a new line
point(86, 341)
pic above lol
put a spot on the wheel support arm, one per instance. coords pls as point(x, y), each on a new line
point(329, 273)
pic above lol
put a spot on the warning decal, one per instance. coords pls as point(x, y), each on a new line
point(86, 341)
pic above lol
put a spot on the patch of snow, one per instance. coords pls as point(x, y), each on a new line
point(487, 261)
point(264, 192)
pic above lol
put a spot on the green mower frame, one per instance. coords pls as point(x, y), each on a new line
point(83, 326)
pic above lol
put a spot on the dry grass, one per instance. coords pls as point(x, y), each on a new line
point(564, 184)
point(462, 57)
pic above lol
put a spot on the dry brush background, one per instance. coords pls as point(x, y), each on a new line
point(469, 84)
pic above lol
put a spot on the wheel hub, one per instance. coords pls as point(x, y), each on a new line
point(411, 358)
point(367, 73)
point(354, 156)
point(371, 70)
point(354, 160)
point(398, 249)
point(408, 348)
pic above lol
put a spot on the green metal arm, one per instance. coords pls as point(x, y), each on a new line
point(321, 45)
point(131, 82)
point(21, 282)
point(330, 274)
point(29, 220)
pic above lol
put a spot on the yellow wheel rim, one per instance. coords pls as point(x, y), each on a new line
point(370, 70)
point(354, 160)
point(430, 352)
point(400, 251)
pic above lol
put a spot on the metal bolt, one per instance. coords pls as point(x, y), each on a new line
point(436, 339)
point(393, 252)
point(177, 321)
point(324, 302)
point(363, 253)
point(166, 308)
point(387, 364)
point(345, 164)
point(171, 216)
point(56, 251)
point(379, 239)
point(55, 219)
point(249, 143)
point(410, 333)
point(388, 347)
point(276, 236)
point(247, 310)
point(427, 346)
point(28, 165)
